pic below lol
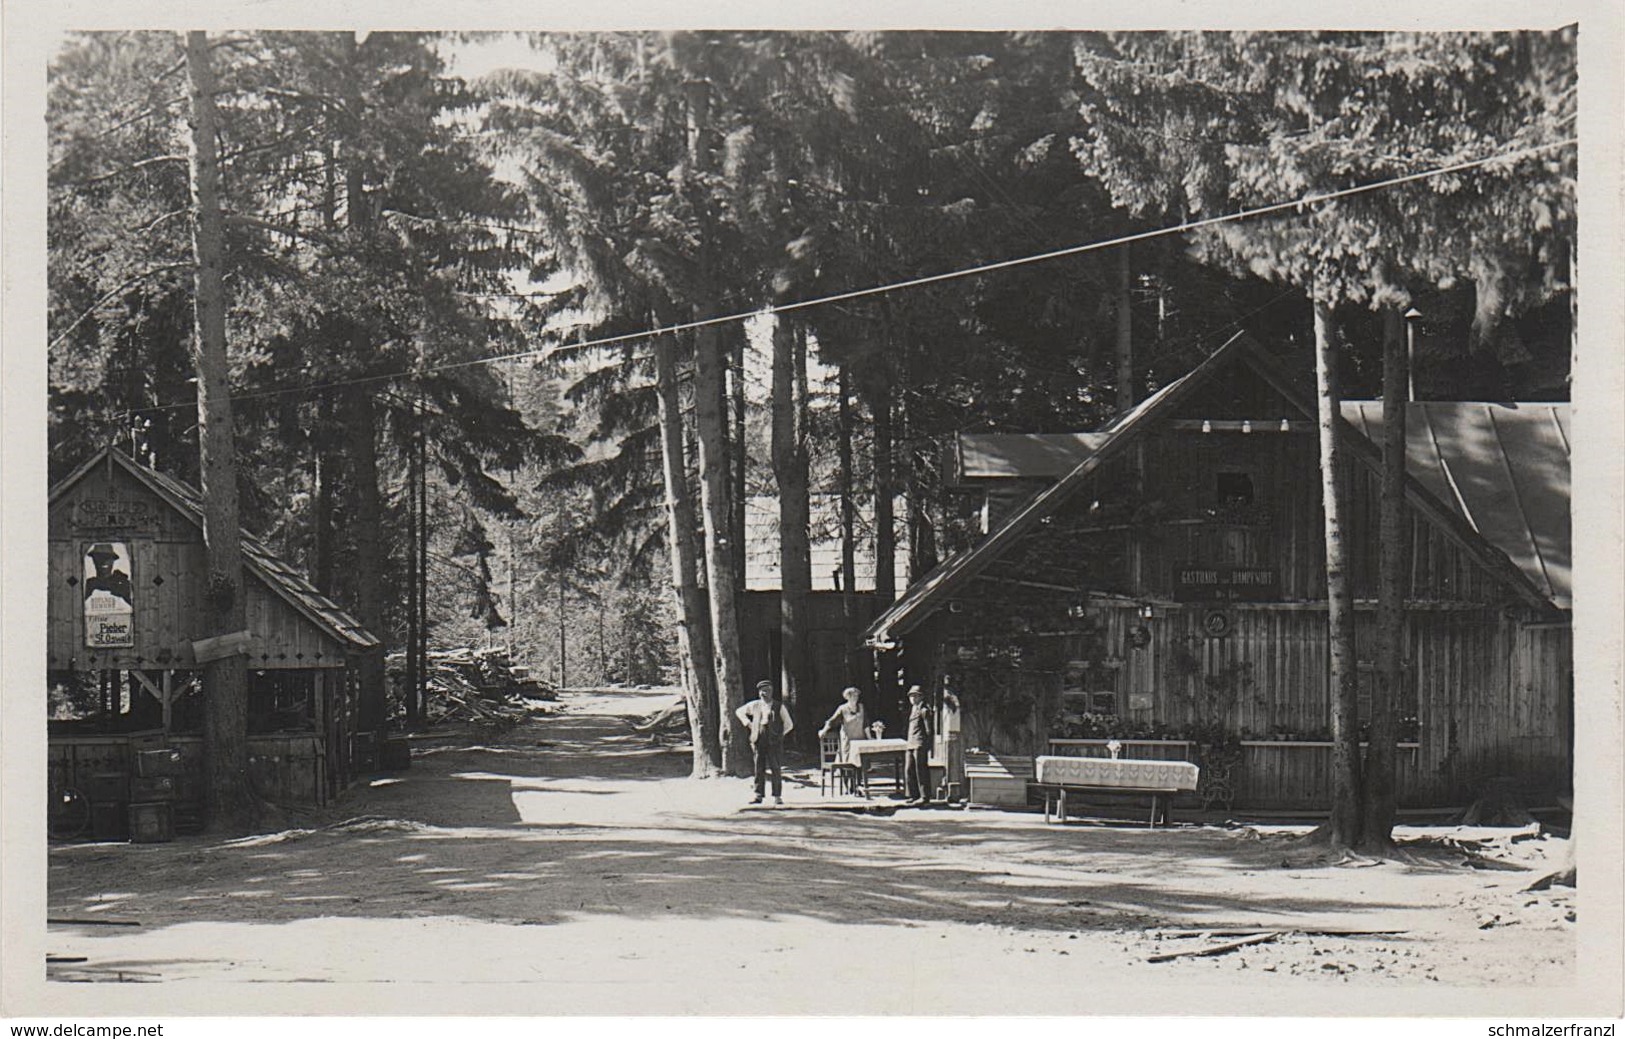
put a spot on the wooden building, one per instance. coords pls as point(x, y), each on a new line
point(127, 607)
point(835, 617)
point(1162, 581)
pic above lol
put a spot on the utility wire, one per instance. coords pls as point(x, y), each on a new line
point(930, 279)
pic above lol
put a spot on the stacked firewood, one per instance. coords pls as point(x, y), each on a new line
point(482, 687)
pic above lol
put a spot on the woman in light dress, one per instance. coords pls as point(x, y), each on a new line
point(850, 719)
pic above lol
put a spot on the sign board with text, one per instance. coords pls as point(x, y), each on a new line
point(1226, 584)
point(109, 596)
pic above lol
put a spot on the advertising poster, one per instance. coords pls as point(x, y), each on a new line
point(109, 596)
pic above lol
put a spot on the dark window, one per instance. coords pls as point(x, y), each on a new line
point(1234, 488)
point(281, 701)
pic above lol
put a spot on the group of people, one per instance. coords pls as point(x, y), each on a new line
point(768, 721)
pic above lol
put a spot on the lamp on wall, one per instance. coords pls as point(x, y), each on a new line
point(1146, 611)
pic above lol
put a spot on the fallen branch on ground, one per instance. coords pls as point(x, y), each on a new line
point(1563, 878)
point(1215, 950)
point(1221, 932)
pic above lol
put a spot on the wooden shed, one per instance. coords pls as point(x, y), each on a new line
point(127, 608)
point(1161, 581)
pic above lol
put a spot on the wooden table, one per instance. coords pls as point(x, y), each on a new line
point(866, 754)
point(1160, 780)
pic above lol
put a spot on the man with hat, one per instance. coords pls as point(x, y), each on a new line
point(768, 722)
point(107, 579)
point(917, 758)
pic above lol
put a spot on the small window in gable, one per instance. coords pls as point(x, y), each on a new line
point(1233, 488)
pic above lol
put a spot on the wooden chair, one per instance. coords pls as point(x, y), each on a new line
point(834, 773)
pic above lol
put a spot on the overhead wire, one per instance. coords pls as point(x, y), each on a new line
point(1299, 205)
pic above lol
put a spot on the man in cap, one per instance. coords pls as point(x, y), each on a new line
point(107, 579)
point(768, 722)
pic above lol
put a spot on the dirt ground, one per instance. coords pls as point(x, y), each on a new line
point(572, 858)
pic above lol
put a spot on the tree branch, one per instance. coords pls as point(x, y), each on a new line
point(292, 232)
point(151, 272)
point(132, 168)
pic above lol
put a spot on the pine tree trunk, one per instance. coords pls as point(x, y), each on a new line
point(694, 625)
point(366, 513)
point(322, 522)
point(1125, 331)
point(885, 522)
point(710, 425)
point(885, 663)
point(412, 686)
point(849, 510)
point(738, 451)
point(849, 556)
point(709, 365)
point(366, 520)
point(790, 470)
point(1376, 832)
point(1342, 828)
point(229, 800)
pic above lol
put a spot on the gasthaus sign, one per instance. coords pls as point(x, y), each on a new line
point(109, 595)
point(1226, 583)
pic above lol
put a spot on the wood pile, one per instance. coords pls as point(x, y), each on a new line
point(479, 687)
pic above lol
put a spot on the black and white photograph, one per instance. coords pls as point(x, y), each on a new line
point(766, 519)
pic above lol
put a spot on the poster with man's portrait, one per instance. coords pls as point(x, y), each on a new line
point(109, 596)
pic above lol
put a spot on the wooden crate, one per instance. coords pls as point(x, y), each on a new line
point(153, 788)
point(151, 823)
point(998, 780)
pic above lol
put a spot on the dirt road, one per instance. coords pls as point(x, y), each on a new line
point(572, 860)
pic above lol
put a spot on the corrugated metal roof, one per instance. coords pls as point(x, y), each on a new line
point(1046, 456)
point(1541, 492)
point(1502, 468)
point(961, 566)
point(257, 556)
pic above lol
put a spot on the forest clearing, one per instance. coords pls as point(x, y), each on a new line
point(572, 856)
point(919, 522)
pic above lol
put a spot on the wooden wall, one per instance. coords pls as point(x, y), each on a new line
point(169, 579)
point(836, 655)
point(291, 769)
point(1491, 692)
point(1128, 533)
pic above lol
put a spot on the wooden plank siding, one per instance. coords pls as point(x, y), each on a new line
point(1491, 693)
point(169, 565)
point(287, 768)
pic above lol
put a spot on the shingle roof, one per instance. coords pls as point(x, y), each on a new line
point(281, 578)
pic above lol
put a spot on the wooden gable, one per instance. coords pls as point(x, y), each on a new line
point(113, 501)
point(1210, 490)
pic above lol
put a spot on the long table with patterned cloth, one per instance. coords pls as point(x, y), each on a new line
point(1058, 776)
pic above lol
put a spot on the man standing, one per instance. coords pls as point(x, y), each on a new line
point(917, 758)
point(768, 722)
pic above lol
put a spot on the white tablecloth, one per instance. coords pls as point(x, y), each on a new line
point(1108, 772)
point(857, 750)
